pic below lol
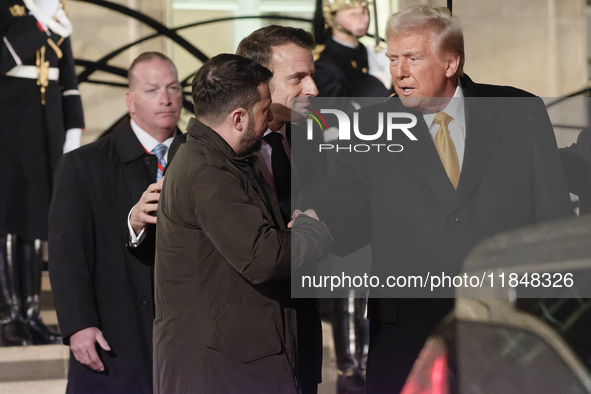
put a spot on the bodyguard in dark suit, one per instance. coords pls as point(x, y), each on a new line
point(477, 168)
point(103, 295)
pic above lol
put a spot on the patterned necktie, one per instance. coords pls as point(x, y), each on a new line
point(159, 151)
point(446, 148)
point(280, 165)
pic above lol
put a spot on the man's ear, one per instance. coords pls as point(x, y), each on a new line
point(452, 64)
point(239, 119)
point(129, 102)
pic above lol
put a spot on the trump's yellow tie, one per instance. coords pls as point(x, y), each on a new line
point(446, 148)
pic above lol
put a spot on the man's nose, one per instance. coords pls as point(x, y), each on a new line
point(399, 70)
point(269, 116)
point(165, 97)
point(310, 88)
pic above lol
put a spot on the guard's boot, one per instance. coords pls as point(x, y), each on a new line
point(4, 309)
point(361, 334)
point(13, 331)
point(31, 259)
point(350, 380)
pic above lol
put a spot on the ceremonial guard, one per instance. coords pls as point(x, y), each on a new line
point(40, 118)
point(343, 70)
point(343, 66)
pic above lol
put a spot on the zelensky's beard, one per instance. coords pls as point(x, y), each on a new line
point(257, 146)
point(250, 140)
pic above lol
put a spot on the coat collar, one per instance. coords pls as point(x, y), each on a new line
point(128, 146)
point(482, 137)
point(198, 130)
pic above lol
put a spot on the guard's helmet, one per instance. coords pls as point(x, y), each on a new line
point(329, 7)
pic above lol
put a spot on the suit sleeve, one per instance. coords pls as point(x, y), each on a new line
point(551, 196)
point(582, 147)
point(145, 252)
point(71, 249)
point(576, 160)
point(71, 101)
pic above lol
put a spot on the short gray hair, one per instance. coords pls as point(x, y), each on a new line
point(144, 58)
point(447, 28)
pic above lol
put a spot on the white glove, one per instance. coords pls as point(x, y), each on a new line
point(49, 7)
point(72, 140)
point(43, 10)
point(379, 66)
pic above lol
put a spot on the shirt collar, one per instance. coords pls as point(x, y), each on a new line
point(455, 108)
point(345, 44)
point(146, 139)
point(280, 131)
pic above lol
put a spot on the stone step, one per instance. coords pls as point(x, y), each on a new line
point(53, 386)
point(36, 369)
point(48, 314)
point(42, 362)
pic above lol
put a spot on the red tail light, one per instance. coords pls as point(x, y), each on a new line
point(429, 375)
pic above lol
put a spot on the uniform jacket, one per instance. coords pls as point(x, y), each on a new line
point(32, 134)
point(342, 71)
point(95, 281)
point(223, 257)
point(511, 177)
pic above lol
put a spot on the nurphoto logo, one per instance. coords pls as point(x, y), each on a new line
point(388, 124)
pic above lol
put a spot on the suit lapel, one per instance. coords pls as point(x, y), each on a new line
point(423, 157)
point(131, 152)
point(481, 140)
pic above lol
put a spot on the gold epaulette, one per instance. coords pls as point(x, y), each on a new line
point(317, 51)
point(17, 10)
point(56, 47)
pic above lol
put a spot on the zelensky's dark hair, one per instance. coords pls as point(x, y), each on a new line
point(146, 57)
point(258, 46)
point(227, 82)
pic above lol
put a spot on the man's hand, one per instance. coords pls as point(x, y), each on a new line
point(308, 212)
point(82, 344)
point(140, 215)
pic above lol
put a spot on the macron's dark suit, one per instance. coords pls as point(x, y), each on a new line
point(511, 177)
point(96, 282)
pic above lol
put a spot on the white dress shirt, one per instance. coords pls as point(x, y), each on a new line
point(457, 126)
